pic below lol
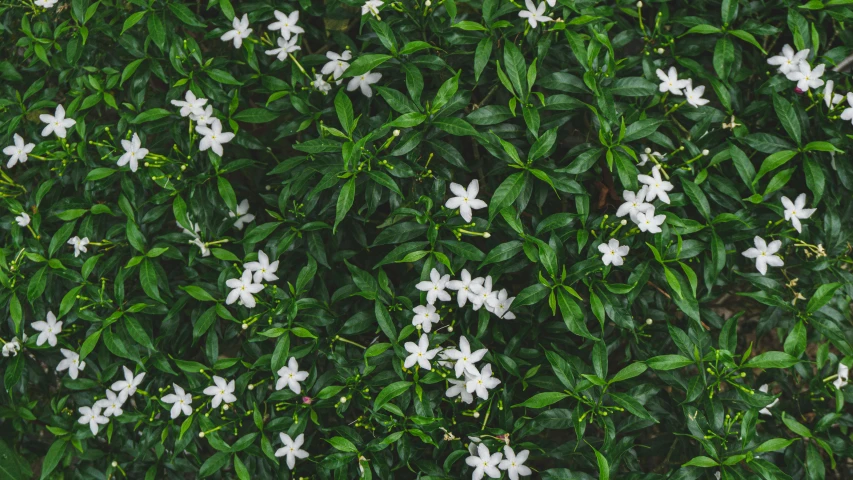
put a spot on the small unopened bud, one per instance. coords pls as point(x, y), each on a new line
point(428, 3)
point(200, 434)
point(251, 387)
point(225, 407)
point(343, 400)
point(115, 464)
point(476, 414)
point(183, 167)
point(705, 152)
point(450, 329)
point(660, 51)
point(396, 132)
point(623, 222)
point(649, 321)
point(487, 235)
point(306, 400)
point(798, 91)
point(268, 188)
point(245, 326)
point(639, 4)
point(648, 151)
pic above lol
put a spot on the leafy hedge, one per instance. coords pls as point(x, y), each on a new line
point(427, 239)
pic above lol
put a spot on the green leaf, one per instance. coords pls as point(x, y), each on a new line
point(773, 162)
point(389, 393)
point(342, 444)
point(772, 360)
point(132, 20)
point(668, 362)
point(365, 63)
point(148, 279)
point(53, 457)
point(255, 115)
point(701, 461)
point(506, 193)
point(633, 370)
point(542, 400)
point(345, 201)
point(774, 445)
point(151, 115)
point(822, 296)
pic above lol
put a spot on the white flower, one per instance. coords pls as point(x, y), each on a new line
point(71, 363)
point(644, 158)
point(364, 81)
point(649, 222)
point(203, 116)
point(287, 24)
point(794, 211)
point(93, 417)
point(766, 410)
point(805, 77)
point(464, 357)
point(372, 7)
point(23, 219)
point(694, 95)
point(425, 316)
point(465, 199)
point(264, 270)
point(127, 387)
point(12, 347)
point(222, 391)
point(634, 203)
point(290, 376)
point(18, 152)
point(458, 390)
point(764, 254)
point(847, 114)
point(484, 463)
point(180, 400)
point(788, 61)
point(435, 287)
point(843, 376)
point(48, 329)
point(830, 98)
point(56, 123)
point(212, 136)
point(291, 449)
point(320, 84)
point(482, 382)
point(670, 82)
point(657, 186)
point(514, 464)
point(420, 353)
point(613, 252)
point(111, 405)
point(285, 46)
point(243, 288)
point(534, 14)
point(337, 64)
point(463, 287)
point(79, 244)
point(241, 30)
point(482, 294)
point(500, 305)
point(133, 153)
point(191, 105)
point(45, 3)
point(205, 251)
point(243, 216)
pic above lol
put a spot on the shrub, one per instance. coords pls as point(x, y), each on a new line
point(426, 239)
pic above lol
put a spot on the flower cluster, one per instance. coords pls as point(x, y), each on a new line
point(244, 287)
point(669, 82)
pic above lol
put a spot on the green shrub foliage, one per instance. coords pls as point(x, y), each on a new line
point(435, 239)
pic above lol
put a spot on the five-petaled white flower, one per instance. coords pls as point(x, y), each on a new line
point(514, 464)
point(243, 289)
point(45, 3)
point(465, 359)
point(613, 252)
point(222, 391)
point(213, 137)
point(649, 222)
point(794, 211)
point(48, 329)
point(337, 64)
point(371, 7)
point(657, 186)
point(830, 98)
point(458, 389)
point(425, 316)
point(482, 382)
point(764, 254)
point(847, 114)
point(18, 152)
point(434, 287)
point(320, 84)
point(79, 244)
point(766, 410)
point(534, 14)
point(484, 463)
point(669, 82)
point(12, 347)
point(463, 287)
point(420, 353)
point(465, 199)
point(56, 123)
point(694, 95)
point(242, 215)
point(264, 270)
point(180, 400)
point(241, 30)
point(285, 46)
point(203, 116)
point(23, 219)
point(127, 387)
point(482, 294)
point(196, 234)
point(133, 153)
point(111, 405)
point(645, 157)
point(290, 376)
point(842, 377)
point(500, 304)
point(364, 81)
point(634, 203)
point(92, 416)
point(805, 77)
point(291, 449)
point(71, 362)
point(190, 105)
point(789, 61)
point(287, 24)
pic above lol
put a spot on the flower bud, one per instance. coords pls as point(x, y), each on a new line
point(705, 152)
point(487, 235)
point(396, 132)
point(343, 400)
point(450, 329)
point(623, 222)
point(639, 4)
point(649, 321)
point(476, 414)
point(200, 434)
point(114, 464)
point(251, 387)
point(306, 400)
point(648, 151)
point(245, 326)
point(225, 407)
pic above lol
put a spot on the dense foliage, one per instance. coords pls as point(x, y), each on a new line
point(426, 239)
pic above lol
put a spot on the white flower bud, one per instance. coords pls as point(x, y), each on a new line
point(648, 151)
point(648, 321)
point(476, 414)
point(660, 51)
point(343, 400)
point(251, 387)
point(623, 222)
point(428, 3)
point(115, 464)
point(200, 434)
point(225, 407)
point(705, 152)
point(396, 132)
point(639, 4)
point(487, 235)
point(450, 329)
point(245, 326)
